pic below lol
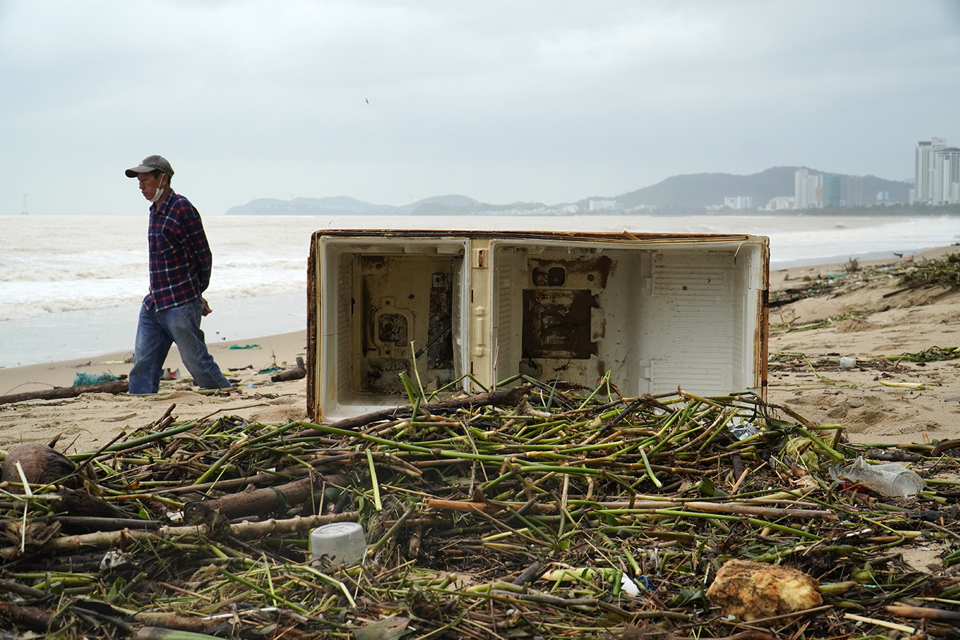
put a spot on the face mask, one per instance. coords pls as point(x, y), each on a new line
point(158, 192)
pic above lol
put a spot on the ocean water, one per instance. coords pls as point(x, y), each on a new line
point(70, 286)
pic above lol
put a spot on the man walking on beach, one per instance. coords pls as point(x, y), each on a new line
point(180, 264)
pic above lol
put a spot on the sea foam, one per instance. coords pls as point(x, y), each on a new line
point(61, 273)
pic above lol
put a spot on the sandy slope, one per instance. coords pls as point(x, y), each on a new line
point(92, 420)
point(869, 320)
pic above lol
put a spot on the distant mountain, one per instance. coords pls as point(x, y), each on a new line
point(345, 205)
point(437, 204)
point(340, 205)
point(679, 194)
point(706, 189)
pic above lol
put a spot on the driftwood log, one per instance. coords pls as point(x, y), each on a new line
point(33, 618)
point(296, 373)
point(241, 530)
point(96, 523)
point(253, 503)
point(926, 613)
point(502, 397)
point(289, 374)
point(56, 393)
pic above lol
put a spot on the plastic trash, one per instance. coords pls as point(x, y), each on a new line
point(84, 379)
point(846, 362)
point(629, 586)
point(892, 480)
point(341, 542)
point(741, 429)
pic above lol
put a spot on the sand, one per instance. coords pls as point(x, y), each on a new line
point(93, 419)
point(870, 321)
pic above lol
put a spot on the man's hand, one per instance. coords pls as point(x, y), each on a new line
point(206, 307)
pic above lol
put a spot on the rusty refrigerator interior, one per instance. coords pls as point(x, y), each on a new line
point(475, 309)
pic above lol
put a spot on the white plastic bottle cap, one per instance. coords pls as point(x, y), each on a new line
point(340, 542)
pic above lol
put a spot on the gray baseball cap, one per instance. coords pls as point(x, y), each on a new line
point(151, 163)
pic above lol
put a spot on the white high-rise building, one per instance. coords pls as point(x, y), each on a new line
point(851, 191)
point(738, 202)
point(946, 163)
point(603, 205)
point(807, 190)
point(925, 174)
point(780, 203)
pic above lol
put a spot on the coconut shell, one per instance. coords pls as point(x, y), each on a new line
point(755, 590)
point(40, 463)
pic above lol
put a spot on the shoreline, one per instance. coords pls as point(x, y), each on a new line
point(285, 347)
point(795, 271)
point(80, 300)
point(875, 257)
point(93, 333)
point(883, 399)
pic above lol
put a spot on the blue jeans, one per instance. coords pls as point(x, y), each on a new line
point(156, 332)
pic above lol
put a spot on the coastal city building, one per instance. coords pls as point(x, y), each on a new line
point(937, 173)
point(815, 191)
point(923, 177)
point(780, 203)
point(831, 191)
point(738, 202)
point(946, 172)
point(807, 190)
point(603, 205)
point(851, 191)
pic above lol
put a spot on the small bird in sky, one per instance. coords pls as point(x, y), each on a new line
point(367, 100)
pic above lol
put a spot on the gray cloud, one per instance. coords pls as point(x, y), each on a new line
point(502, 101)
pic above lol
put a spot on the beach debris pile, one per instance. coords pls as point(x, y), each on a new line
point(940, 272)
point(908, 275)
point(538, 511)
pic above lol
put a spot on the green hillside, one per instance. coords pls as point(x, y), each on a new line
point(707, 189)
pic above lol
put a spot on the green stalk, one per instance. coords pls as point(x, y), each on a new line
point(269, 435)
point(136, 442)
point(391, 531)
point(833, 453)
point(373, 479)
point(161, 633)
point(206, 475)
point(264, 592)
point(364, 436)
point(650, 474)
point(331, 581)
point(603, 382)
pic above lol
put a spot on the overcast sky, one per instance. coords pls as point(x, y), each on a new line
point(500, 100)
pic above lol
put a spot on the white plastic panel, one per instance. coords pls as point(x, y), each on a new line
point(384, 304)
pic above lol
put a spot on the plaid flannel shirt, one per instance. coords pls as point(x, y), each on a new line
point(180, 258)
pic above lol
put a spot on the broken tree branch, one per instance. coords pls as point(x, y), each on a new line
point(256, 502)
point(502, 397)
point(241, 530)
point(66, 392)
